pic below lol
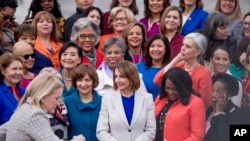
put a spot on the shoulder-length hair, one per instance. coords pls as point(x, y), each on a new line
point(214, 20)
point(129, 15)
point(242, 47)
point(84, 23)
point(5, 60)
point(55, 34)
point(35, 7)
point(167, 55)
point(147, 12)
point(127, 30)
point(236, 13)
point(182, 83)
point(133, 7)
point(128, 70)
point(163, 29)
point(199, 4)
point(81, 71)
point(43, 85)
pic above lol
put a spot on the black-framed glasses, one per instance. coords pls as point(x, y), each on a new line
point(246, 24)
point(89, 36)
point(27, 56)
point(229, 1)
point(7, 17)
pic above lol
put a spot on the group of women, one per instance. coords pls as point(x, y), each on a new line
point(110, 77)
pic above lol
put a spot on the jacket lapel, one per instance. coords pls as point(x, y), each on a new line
point(138, 103)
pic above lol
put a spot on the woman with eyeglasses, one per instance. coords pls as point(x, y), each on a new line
point(11, 74)
point(246, 25)
point(223, 112)
point(87, 34)
point(231, 8)
point(51, 6)
point(118, 19)
point(7, 11)
point(48, 37)
point(26, 54)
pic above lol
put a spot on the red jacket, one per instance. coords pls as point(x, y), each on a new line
point(183, 122)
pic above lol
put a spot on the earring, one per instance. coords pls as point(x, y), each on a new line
point(229, 98)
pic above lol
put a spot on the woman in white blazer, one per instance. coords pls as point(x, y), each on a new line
point(127, 114)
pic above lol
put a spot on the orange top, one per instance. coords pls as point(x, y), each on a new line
point(54, 57)
point(202, 81)
point(103, 39)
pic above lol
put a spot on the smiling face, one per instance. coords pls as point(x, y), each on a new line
point(134, 37)
point(6, 12)
point(190, 2)
point(122, 82)
point(125, 3)
point(94, 14)
point(113, 55)
point(119, 22)
point(171, 91)
point(246, 26)
point(156, 6)
point(227, 6)
point(172, 20)
point(28, 62)
point(219, 92)
point(13, 73)
point(220, 61)
point(52, 101)
point(85, 85)
point(157, 50)
point(44, 26)
point(86, 39)
point(69, 58)
point(29, 39)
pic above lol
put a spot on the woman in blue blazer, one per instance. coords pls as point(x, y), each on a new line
point(193, 16)
point(10, 92)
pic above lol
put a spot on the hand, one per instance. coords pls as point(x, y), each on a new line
point(79, 138)
point(243, 58)
point(178, 58)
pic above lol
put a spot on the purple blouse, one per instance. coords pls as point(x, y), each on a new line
point(155, 29)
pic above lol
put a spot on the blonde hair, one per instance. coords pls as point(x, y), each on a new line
point(44, 84)
point(236, 13)
point(129, 15)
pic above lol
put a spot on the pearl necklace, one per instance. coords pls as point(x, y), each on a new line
point(66, 78)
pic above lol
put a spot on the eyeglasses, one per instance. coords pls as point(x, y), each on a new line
point(7, 17)
point(122, 19)
point(233, 1)
point(219, 91)
point(43, 1)
point(27, 56)
point(89, 36)
point(246, 23)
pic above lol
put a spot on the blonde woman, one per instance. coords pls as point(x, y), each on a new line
point(30, 122)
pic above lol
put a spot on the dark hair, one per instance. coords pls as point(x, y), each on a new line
point(82, 70)
point(147, 12)
point(242, 47)
point(86, 12)
point(182, 83)
point(199, 4)
point(133, 7)
point(230, 82)
point(67, 45)
point(220, 48)
point(246, 15)
point(8, 3)
point(213, 21)
point(166, 57)
point(24, 29)
point(35, 7)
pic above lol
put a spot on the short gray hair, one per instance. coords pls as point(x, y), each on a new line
point(83, 23)
point(199, 40)
point(114, 40)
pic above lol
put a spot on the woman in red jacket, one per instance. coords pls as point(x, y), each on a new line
point(178, 109)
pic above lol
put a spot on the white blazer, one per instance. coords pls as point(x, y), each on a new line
point(106, 84)
point(112, 124)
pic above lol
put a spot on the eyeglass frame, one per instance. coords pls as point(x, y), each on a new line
point(122, 19)
point(7, 17)
point(232, 1)
point(27, 56)
point(246, 23)
point(87, 36)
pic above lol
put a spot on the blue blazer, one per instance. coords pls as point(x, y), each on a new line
point(8, 103)
point(195, 21)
